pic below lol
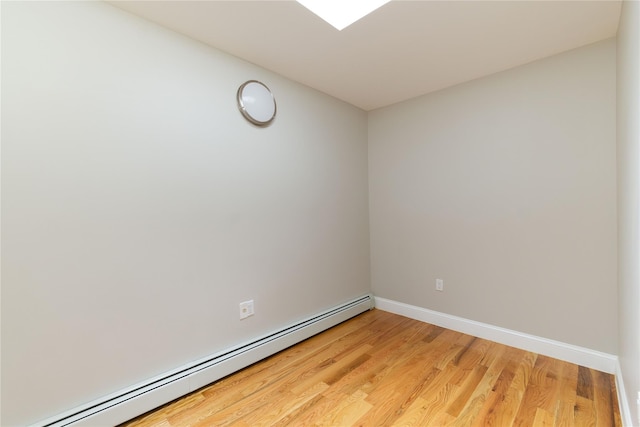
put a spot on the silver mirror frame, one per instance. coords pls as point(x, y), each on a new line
point(242, 105)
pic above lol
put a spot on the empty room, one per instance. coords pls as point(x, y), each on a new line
point(248, 213)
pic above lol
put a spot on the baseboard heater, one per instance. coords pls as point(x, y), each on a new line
point(136, 400)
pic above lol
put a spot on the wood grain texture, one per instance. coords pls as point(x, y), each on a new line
point(381, 369)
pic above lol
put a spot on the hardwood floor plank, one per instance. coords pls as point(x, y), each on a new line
point(565, 415)
point(347, 411)
point(286, 404)
point(331, 368)
point(617, 420)
point(381, 369)
point(466, 390)
point(567, 396)
point(417, 372)
point(602, 398)
point(483, 392)
point(540, 392)
point(585, 383)
point(543, 419)
point(438, 403)
point(296, 414)
point(492, 411)
point(584, 412)
point(413, 414)
point(459, 345)
point(311, 414)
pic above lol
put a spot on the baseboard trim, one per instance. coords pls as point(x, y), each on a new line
point(579, 355)
point(625, 411)
point(140, 398)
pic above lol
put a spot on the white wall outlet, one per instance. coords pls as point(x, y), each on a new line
point(439, 285)
point(246, 309)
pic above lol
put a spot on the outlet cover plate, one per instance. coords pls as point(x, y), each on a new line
point(246, 309)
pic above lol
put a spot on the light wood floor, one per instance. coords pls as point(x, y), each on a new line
point(383, 369)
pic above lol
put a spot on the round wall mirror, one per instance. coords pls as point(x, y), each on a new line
point(256, 103)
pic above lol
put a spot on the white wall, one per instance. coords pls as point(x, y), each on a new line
point(139, 207)
point(505, 187)
point(628, 134)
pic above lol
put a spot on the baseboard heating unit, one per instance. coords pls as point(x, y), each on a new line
point(133, 401)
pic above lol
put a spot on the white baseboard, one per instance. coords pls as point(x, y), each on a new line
point(140, 398)
point(579, 355)
point(625, 411)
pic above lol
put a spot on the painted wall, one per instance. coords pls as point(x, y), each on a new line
point(628, 134)
point(505, 187)
point(139, 207)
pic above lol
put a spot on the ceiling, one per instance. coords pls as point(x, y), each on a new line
point(404, 49)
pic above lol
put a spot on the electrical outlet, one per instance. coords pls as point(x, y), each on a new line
point(439, 285)
point(246, 309)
